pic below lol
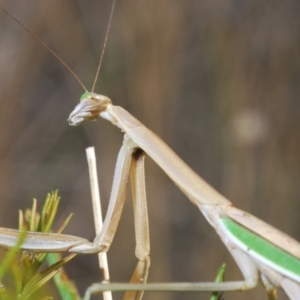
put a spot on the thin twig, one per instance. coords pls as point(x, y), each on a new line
point(91, 157)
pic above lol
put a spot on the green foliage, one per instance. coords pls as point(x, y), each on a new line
point(219, 278)
point(24, 274)
point(66, 288)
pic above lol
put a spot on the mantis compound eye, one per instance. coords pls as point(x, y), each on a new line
point(103, 100)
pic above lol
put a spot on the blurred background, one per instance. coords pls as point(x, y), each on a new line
point(217, 80)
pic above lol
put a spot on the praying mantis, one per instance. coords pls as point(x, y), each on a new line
point(218, 210)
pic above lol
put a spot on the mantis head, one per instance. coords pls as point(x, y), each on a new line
point(90, 107)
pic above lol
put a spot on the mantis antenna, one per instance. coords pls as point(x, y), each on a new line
point(104, 45)
point(58, 57)
point(47, 47)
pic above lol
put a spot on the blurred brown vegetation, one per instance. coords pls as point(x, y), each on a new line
point(217, 80)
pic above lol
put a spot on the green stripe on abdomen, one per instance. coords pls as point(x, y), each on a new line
point(286, 262)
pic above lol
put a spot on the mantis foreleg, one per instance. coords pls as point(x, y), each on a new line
point(141, 224)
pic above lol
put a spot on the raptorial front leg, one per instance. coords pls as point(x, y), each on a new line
point(52, 242)
point(118, 195)
point(103, 241)
point(142, 249)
